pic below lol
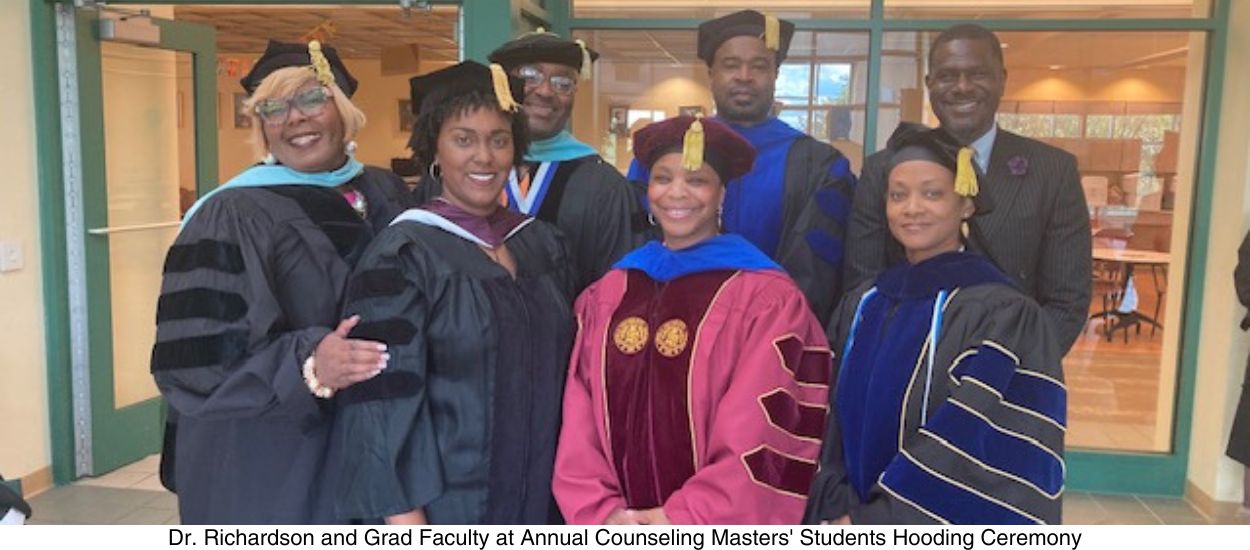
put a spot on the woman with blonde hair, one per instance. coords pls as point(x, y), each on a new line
point(249, 342)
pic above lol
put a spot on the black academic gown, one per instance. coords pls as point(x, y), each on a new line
point(250, 287)
point(592, 204)
point(464, 420)
point(386, 195)
point(986, 447)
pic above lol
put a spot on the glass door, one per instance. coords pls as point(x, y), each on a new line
point(147, 123)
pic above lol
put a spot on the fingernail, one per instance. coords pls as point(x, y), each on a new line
point(381, 365)
point(386, 357)
point(381, 347)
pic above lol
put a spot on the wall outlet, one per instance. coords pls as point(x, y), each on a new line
point(10, 256)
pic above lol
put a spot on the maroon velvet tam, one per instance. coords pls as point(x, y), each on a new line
point(728, 153)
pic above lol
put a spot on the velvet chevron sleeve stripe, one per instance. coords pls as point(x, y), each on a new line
point(788, 414)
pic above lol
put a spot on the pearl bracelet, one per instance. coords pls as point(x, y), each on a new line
point(314, 385)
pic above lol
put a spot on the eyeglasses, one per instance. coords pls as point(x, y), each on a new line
point(534, 78)
point(311, 102)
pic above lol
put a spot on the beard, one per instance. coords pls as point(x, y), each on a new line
point(754, 110)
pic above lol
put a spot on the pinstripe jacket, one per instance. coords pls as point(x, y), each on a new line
point(1037, 230)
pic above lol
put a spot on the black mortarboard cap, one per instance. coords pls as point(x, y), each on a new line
point(430, 89)
point(912, 141)
point(542, 47)
point(279, 55)
point(741, 23)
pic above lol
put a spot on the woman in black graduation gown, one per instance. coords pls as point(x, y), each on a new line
point(473, 301)
point(248, 327)
point(949, 404)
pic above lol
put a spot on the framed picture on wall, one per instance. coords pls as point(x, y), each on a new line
point(406, 119)
point(618, 120)
point(690, 110)
point(241, 118)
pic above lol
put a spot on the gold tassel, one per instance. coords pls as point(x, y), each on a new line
point(586, 60)
point(692, 147)
point(772, 32)
point(320, 65)
point(965, 174)
point(503, 92)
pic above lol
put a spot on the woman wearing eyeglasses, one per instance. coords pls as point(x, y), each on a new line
point(249, 342)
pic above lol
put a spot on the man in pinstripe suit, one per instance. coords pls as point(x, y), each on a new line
point(1037, 230)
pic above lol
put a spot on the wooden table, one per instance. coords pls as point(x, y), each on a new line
point(1130, 258)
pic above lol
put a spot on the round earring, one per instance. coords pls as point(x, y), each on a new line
point(350, 148)
point(269, 159)
point(434, 170)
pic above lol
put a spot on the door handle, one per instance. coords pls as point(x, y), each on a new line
point(131, 228)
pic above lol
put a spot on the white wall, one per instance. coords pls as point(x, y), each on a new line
point(1222, 347)
point(24, 439)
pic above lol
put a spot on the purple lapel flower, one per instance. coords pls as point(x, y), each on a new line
point(1018, 165)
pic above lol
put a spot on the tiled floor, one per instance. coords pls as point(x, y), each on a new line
point(133, 496)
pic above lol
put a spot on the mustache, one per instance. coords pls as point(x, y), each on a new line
point(536, 101)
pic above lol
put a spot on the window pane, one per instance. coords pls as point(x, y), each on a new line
point(656, 73)
point(795, 118)
point(793, 84)
point(1114, 101)
point(833, 84)
point(1036, 9)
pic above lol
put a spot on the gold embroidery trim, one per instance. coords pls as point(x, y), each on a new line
point(671, 338)
point(631, 335)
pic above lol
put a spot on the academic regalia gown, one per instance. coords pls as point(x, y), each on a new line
point(793, 206)
point(986, 447)
point(385, 194)
point(697, 383)
point(250, 287)
point(463, 422)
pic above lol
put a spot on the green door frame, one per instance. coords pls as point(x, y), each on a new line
point(493, 19)
point(134, 431)
point(1141, 473)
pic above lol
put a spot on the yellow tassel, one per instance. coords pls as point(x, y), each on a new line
point(692, 147)
point(320, 65)
point(965, 174)
point(772, 32)
point(586, 60)
point(503, 92)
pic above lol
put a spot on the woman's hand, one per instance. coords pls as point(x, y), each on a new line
point(415, 517)
point(844, 520)
point(340, 361)
point(621, 516)
point(652, 516)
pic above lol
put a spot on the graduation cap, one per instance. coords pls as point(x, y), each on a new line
point(431, 89)
point(279, 55)
point(699, 140)
point(911, 141)
point(545, 47)
point(776, 33)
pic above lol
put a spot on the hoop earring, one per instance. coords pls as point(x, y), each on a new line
point(650, 217)
point(720, 218)
point(434, 171)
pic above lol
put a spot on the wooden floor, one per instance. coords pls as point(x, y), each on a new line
point(1113, 386)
